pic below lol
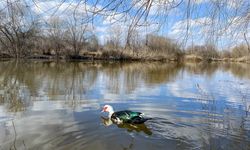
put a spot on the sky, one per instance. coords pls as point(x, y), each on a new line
point(185, 21)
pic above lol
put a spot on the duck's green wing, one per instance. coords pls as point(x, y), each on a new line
point(126, 115)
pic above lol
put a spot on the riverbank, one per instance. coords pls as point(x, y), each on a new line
point(119, 55)
point(130, 55)
point(196, 58)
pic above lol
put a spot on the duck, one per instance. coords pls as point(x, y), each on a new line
point(124, 116)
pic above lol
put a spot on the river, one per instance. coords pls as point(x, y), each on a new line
point(57, 105)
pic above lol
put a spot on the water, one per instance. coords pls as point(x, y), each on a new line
point(49, 105)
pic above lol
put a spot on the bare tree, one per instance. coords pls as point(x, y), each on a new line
point(56, 35)
point(115, 36)
point(247, 42)
point(76, 31)
point(17, 29)
point(93, 43)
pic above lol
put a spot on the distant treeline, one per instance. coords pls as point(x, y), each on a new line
point(33, 44)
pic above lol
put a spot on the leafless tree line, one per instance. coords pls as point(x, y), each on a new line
point(24, 33)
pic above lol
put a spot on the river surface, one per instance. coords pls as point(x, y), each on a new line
point(56, 105)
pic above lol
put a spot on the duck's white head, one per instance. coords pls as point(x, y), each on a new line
point(109, 109)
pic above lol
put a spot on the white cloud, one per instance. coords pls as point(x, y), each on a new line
point(195, 28)
point(235, 4)
point(101, 29)
point(199, 1)
point(2, 5)
point(157, 7)
point(64, 9)
point(114, 18)
point(201, 28)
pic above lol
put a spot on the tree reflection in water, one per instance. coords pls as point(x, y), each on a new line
point(51, 102)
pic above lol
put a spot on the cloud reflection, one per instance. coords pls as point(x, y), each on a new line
point(57, 104)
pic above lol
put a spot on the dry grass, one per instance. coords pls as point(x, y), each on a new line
point(128, 54)
point(243, 59)
point(193, 58)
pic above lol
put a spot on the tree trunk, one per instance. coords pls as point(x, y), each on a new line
point(248, 45)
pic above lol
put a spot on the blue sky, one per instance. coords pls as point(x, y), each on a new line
point(226, 29)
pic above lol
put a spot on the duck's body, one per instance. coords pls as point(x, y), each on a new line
point(125, 116)
point(128, 116)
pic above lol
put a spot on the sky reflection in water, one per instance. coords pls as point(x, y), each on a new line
point(48, 105)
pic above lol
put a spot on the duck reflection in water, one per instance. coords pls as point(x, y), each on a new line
point(130, 127)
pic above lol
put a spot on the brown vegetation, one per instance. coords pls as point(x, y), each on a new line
point(238, 53)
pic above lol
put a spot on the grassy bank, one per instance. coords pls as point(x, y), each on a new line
point(196, 58)
point(132, 55)
point(127, 55)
